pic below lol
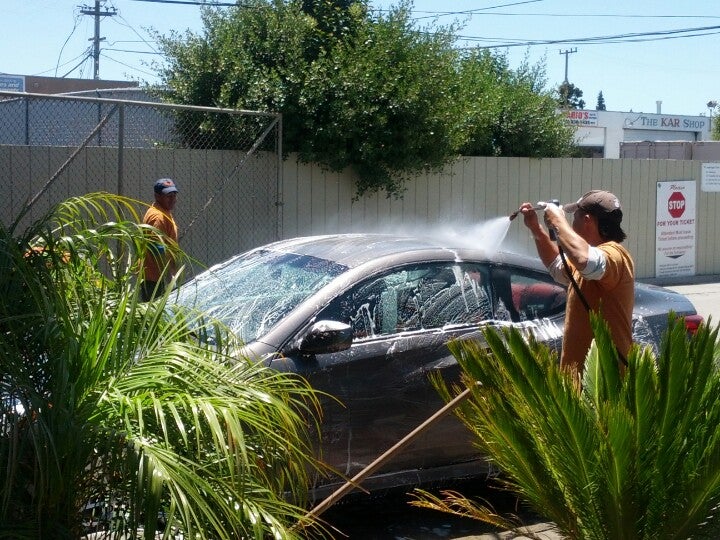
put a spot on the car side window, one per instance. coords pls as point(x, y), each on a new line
point(413, 298)
point(524, 295)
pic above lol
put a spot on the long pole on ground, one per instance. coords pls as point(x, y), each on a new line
point(359, 477)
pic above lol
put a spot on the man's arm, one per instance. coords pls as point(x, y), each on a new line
point(546, 248)
point(574, 246)
point(590, 260)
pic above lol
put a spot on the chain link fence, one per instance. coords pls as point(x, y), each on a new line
point(226, 163)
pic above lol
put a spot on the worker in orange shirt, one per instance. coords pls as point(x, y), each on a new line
point(600, 272)
point(159, 265)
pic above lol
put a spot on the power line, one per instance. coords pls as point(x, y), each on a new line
point(481, 42)
point(209, 3)
point(436, 14)
point(470, 11)
point(128, 25)
point(595, 40)
point(85, 57)
point(134, 68)
point(75, 25)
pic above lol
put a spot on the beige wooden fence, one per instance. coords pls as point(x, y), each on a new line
point(477, 190)
point(252, 210)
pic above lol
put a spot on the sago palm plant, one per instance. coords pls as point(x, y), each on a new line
point(627, 457)
point(107, 402)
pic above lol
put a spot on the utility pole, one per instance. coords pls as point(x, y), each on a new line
point(567, 52)
point(87, 10)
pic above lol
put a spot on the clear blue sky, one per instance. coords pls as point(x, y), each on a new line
point(618, 50)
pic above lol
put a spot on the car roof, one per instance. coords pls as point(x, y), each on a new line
point(356, 249)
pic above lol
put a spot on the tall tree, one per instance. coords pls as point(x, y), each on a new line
point(360, 90)
point(600, 106)
point(379, 104)
point(570, 97)
point(506, 112)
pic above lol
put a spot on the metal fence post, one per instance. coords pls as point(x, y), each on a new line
point(121, 149)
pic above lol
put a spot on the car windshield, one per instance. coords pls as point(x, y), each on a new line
point(251, 292)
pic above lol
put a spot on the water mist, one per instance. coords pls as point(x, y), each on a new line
point(488, 234)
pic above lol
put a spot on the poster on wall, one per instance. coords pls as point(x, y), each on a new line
point(710, 177)
point(675, 239)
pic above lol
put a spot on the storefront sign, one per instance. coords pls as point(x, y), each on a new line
point(675, 239)
point(579, 117)
point(666, 122)
point(12, 83)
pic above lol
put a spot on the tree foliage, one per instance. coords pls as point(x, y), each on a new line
point(715, 126)
point(570, 96)
point(121, 406)
point(600, 106)
point(627, 457)
point(506, 112)
point(360, 90)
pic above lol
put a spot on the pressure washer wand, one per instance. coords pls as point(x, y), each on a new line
point(539, 206)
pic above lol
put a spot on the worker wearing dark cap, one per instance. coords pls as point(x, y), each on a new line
point(602, 269)
point(158, 265)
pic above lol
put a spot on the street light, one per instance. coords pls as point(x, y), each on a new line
point(711, 107)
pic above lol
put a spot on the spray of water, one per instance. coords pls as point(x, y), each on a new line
point(488, 234)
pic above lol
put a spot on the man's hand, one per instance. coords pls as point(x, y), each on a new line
point(530, 217)
point(531, 220)
point(554, 216)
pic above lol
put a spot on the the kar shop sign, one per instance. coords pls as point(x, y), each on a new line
point(675, 228)
point(666, 122)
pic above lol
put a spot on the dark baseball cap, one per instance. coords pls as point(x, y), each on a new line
point(596, 202)
point(165, 186)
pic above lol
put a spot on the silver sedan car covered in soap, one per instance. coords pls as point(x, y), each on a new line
point(366, 319)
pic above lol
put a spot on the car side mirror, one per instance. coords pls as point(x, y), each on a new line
point(326, 337)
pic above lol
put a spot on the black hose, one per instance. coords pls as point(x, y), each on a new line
point(572, 280)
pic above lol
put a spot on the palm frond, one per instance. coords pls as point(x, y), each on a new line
point(634, 454)
point(105, 398)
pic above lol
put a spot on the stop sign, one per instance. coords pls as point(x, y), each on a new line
point(676, 204)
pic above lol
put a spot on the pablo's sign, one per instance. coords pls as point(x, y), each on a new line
point(580, 117)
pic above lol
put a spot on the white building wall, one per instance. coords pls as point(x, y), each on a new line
point(607, 129)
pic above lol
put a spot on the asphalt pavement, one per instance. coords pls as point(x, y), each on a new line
point(704, 293)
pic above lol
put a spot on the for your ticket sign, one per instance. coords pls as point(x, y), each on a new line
point(675, 239)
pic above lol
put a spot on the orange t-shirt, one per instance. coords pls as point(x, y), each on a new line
point(613, 295)
point(156, 260)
